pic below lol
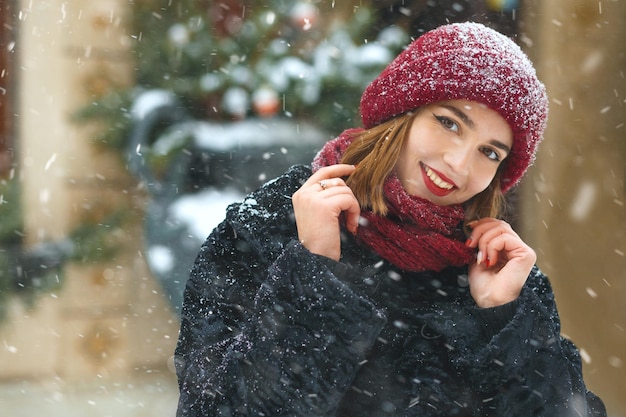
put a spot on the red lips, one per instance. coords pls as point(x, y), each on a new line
point(434, 188)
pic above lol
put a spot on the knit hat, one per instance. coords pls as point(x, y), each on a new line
point(465, 61)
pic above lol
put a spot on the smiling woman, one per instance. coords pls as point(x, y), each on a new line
point(349, 288)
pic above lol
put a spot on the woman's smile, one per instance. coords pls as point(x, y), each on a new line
point(435, 183)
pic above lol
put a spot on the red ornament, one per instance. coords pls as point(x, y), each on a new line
point(226, 17)
point(304, 15)
point(265, 102)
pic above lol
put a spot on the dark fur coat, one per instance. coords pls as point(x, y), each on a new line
point(269, 329)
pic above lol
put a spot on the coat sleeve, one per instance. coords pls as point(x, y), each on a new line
point(280, 338)
point(528, 368)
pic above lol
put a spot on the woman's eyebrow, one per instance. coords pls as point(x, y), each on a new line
point(460, 114)
point(500, 145)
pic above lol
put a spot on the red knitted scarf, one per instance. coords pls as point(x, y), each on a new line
point(416, 235)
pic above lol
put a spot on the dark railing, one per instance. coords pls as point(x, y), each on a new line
point(186, 161)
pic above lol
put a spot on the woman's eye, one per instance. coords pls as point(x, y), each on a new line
point(447, 123)
point(491, 154)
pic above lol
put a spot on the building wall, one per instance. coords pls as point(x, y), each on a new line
point(573, 202)
point(108, 318)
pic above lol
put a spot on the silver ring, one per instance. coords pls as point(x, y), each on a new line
point(322, 184)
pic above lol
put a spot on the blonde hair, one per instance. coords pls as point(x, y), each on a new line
point(376, 151)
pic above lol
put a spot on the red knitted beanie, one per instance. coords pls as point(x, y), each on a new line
point(465, 61)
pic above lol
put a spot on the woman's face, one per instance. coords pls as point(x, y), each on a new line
point(453, 151)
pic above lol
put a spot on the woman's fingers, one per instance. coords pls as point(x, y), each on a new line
point(326, 173)
point(503, 262)
point(506, 248)
point(488, 227)
point(318, 206)
point(485, 237)
point(497, 242)
point(331, 182)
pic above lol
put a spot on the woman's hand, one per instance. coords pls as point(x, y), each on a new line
point(503, 263)
point(318, 205)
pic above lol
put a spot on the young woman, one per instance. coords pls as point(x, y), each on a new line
point(380, 282)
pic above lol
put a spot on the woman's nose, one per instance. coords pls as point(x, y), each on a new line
point(458, 159)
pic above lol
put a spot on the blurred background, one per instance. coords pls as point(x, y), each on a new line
point(127, 127)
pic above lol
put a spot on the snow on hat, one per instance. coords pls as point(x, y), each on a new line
point(465, 61)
